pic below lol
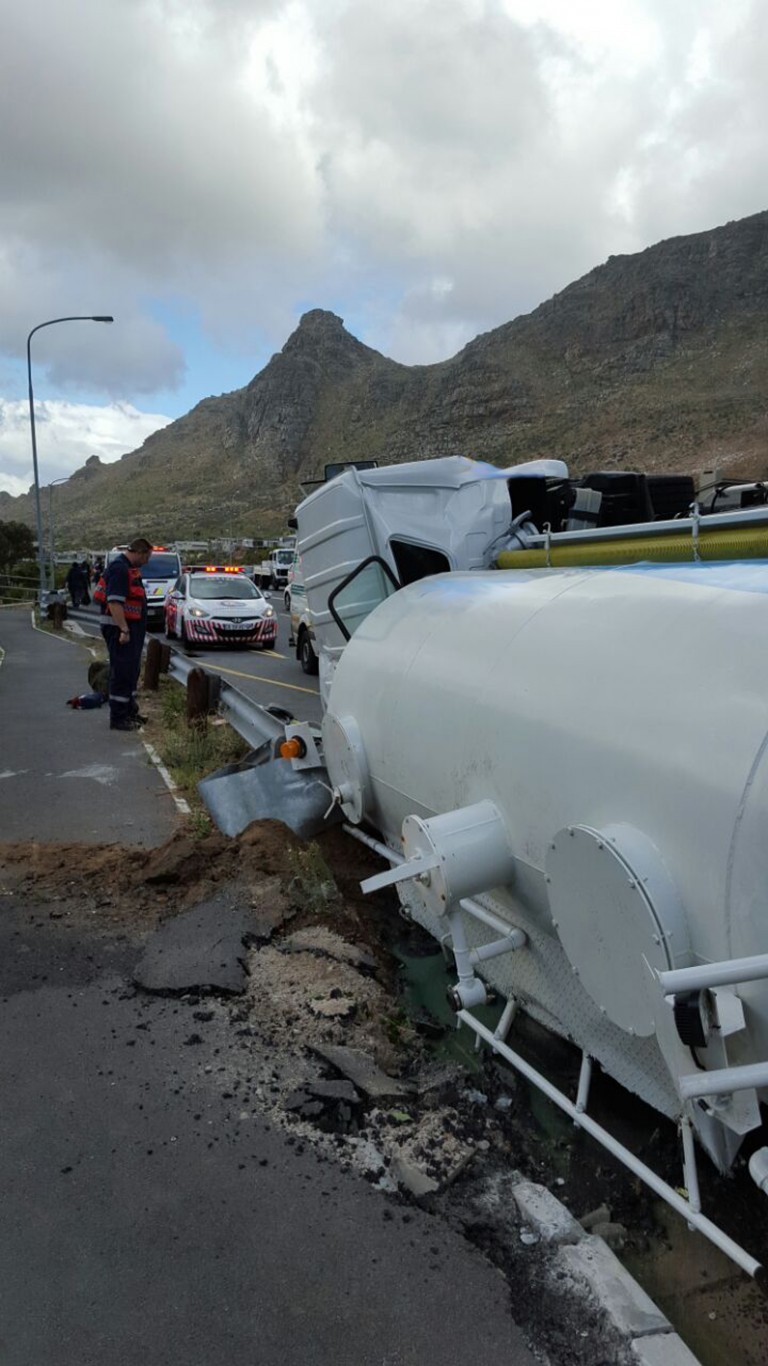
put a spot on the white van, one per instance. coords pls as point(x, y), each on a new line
point(159, 575)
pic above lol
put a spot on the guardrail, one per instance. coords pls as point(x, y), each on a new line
point(17, 589)
point(252, 721)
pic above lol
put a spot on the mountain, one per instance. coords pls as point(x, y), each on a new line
point(655, 361)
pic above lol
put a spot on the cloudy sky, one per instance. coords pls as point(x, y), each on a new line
point(207, 170)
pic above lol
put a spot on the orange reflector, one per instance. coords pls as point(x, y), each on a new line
point(293, 748)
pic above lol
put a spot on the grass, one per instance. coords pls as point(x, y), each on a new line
point(189, 752)
point(312, 878)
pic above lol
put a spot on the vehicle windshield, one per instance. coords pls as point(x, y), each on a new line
point(285, 557)
point(161, 567)
point(221, 586)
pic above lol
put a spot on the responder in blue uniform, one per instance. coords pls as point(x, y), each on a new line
point(120, 594)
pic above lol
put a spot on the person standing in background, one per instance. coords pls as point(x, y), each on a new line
point(76, 583)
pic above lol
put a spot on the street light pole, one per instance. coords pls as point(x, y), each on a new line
point(78, 318)
point(51, 543)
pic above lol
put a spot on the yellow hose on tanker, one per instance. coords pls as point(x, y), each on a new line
point(729, 543)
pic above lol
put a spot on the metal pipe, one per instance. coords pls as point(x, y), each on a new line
point(516, 939)
point(690, 1169)
point(723, 1081)
point(678, 526)
point(585, 1081)
point(646, 1174)
point(51, 544)
point(495, 922)
point(378, 848)
point(507, 1016)
point(725, 973)
point(469, 990)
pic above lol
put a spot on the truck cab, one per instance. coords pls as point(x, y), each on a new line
point(273, 571)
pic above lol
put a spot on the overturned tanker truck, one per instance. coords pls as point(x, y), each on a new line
point(545, 706)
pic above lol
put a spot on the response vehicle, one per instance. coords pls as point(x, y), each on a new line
point(219, 606)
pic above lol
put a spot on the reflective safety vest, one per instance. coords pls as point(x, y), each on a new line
point(135, 598)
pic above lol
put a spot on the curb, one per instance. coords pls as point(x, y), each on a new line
point(582, 1265)
point(583, 1297)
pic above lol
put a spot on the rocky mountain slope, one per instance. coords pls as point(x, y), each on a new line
point(656, 361)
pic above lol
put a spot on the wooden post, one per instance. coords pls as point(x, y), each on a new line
point(58, 613)
point(156, 663)
point(197, 698)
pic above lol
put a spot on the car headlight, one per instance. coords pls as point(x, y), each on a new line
point(270, 612)
point(197, 612)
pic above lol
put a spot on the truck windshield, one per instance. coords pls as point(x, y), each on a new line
point(161, 567)
point(285, 557)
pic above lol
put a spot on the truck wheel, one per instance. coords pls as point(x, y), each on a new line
point(307, 657)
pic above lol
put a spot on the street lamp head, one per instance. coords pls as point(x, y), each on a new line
point(100, 318)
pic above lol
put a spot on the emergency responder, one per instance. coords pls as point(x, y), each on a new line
point(120, 594)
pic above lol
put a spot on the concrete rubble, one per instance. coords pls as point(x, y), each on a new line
point(314, 997)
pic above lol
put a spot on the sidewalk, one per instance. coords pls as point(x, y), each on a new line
point(64, 776)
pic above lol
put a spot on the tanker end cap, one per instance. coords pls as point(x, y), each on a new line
point(345, 759)
point(467, 851)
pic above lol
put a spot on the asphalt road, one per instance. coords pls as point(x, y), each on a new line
point(266, 676)
point(151, 1217)
point(63, 774)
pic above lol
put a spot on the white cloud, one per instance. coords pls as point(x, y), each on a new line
point(67, 435)
point(427, 168)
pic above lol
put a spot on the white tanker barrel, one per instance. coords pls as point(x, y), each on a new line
point(617, 719)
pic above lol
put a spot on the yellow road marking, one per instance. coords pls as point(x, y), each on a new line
point(275, 682)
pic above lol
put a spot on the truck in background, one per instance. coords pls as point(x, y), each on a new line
point(272, 573)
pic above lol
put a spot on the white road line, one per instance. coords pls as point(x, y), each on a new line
point(67, 640)
point(181, 802)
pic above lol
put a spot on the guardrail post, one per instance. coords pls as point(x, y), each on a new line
point(156, 663)
point(198, 698)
